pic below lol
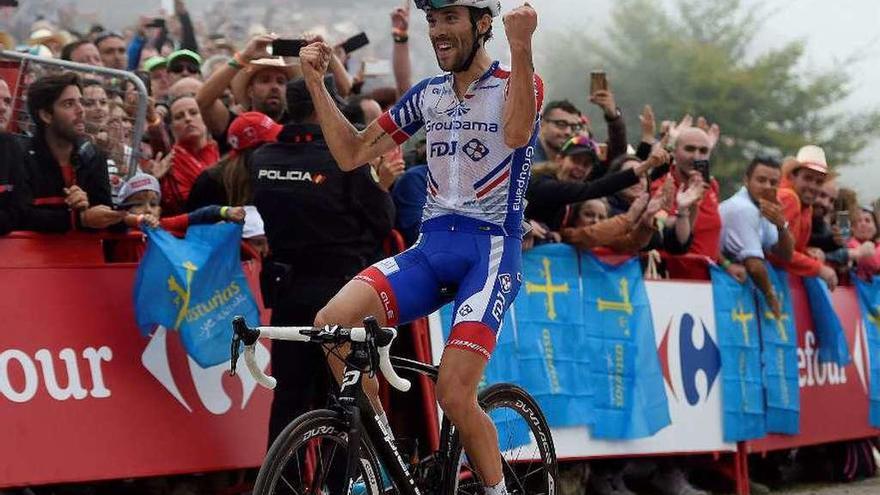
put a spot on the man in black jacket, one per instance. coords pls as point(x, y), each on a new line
point(11, 183)
point(66, 174)
point(324, 226)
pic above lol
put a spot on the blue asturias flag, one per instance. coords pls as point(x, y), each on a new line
point(833, 347)
point(869, 303)
point(780, 359)
point(736, 321)
point(551, 344)
point(629, 395)
point(194, 285)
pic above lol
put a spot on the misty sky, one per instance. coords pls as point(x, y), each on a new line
point(834, 31)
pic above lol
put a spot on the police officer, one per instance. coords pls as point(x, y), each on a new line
point(323, 227)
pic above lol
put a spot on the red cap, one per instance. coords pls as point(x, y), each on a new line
point(251, 129)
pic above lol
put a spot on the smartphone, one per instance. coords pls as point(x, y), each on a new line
point(843, 224)
point(702, 166)
point(602, 151)
point(357, 41)
point(770, 195)
point(287, 48)
point(157, 22)
point(598, 81)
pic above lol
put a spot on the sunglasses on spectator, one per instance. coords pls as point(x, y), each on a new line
point(188, 68)
point(563, 124)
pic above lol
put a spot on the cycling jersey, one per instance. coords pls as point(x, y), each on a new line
point(471, 227)
point(471, 171)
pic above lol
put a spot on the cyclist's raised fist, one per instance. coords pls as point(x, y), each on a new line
point(314, 59)
point(520, 23)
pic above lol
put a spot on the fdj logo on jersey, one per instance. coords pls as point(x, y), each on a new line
point(443, 149)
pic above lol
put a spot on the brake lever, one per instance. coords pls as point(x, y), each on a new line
point(234, 352)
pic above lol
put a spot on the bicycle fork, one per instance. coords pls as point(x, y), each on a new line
point(351, 392)
point(353, 419)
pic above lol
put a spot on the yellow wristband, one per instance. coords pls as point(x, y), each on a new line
point(223, 212)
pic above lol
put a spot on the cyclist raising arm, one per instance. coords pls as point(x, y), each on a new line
point(481, 124)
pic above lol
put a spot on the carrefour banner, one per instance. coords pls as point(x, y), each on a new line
point(194, 285)
point(739, 341)
point(779, 339)
point(869, 303)
point(630, 401)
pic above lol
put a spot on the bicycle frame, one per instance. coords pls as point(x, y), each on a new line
point(350, 395)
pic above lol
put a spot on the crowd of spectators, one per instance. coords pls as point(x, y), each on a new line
point(221, 113)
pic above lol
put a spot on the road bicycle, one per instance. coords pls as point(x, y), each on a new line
point(343, 449)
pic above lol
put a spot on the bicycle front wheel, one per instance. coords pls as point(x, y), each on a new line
point(310, 455)
point(528, 456)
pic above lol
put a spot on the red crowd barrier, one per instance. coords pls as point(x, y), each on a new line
point(85, 397)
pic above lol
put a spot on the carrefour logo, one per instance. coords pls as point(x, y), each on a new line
point(686, 351)
point(208, 382)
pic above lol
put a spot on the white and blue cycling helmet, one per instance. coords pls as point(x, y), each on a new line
point(494, 6)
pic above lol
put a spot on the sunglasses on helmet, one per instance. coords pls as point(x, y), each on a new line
point(434, 4)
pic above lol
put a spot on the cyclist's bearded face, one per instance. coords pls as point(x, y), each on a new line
point(451, 36)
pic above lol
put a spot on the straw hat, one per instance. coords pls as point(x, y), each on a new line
point(242, 80)
point(43, 35)
point(813, 158)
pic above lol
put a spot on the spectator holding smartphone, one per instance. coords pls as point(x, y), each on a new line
point(690, 146)
point(258, 84)
point(753, 223)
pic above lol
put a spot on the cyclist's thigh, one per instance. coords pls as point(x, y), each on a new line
point(485, 293)
point(354, 302)
point(405, 286)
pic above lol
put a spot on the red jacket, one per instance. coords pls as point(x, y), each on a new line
point(800, 224)
point(707, 225)
point(185, 169)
